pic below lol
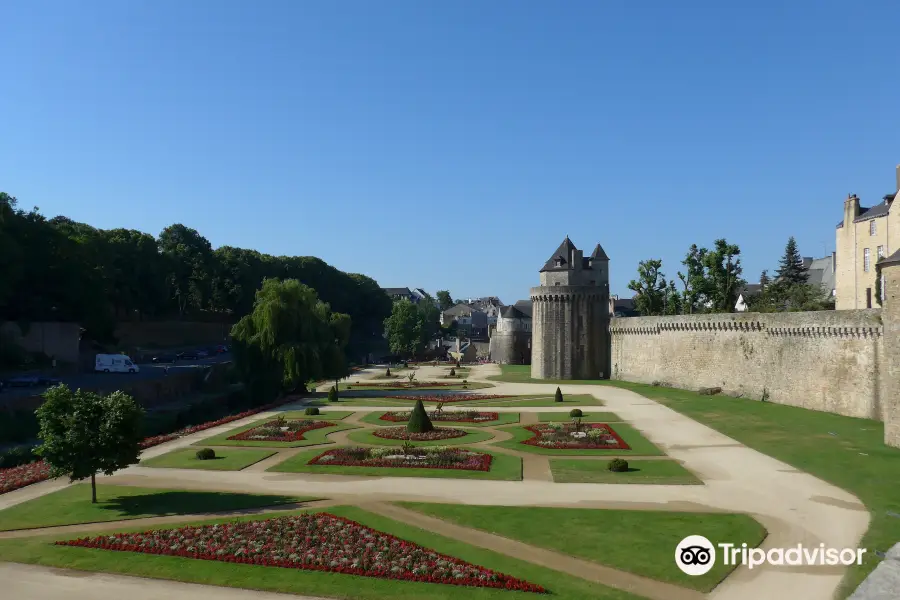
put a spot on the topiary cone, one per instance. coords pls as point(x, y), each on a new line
point(418, 420)
point(558, 396)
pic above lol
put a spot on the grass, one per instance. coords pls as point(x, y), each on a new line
point(297, 581)
point(331, 415)
point(72, 505)
point(316, 436)
point(664, 472)
point(641, 542)
point(373, 418)
point(854, 458)
point(587, 417)
point(537, 400)
point(503, 467)
point(522, 374)
point(472, 436)
point(361, 385)
point(640, 446)
point(229, 459)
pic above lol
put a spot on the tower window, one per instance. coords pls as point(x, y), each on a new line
point(872, 227)
point(880, 251)
point(866, 260)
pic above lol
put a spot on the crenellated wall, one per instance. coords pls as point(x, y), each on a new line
point(829, 360)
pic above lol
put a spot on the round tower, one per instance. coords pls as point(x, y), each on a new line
point(570, 316)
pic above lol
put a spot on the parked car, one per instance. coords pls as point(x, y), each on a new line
point(164, 358)
point(187, 355)
point(114, 363)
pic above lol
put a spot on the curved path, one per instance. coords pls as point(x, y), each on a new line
point(793, 506)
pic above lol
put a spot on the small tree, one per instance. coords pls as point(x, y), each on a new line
point(791, 269)
point(332, 394)
point(418, 420)
point(83, 433)
point(649, 288)
point(558, 397)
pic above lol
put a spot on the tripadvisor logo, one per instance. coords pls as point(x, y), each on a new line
point(695, 555)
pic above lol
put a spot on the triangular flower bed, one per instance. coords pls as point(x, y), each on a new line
point(315, 542)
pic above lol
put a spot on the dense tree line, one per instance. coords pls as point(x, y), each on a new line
point(59, 269)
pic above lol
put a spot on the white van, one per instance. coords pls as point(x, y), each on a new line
point(115, 363)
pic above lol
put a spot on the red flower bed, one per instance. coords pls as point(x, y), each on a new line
point(400, 433)
point(450, 398)
point(468, 416)
point(417, 458)
point(314, 542)
point(18, 477)
point(564, 436)
point(273, 431)
point(414, 384)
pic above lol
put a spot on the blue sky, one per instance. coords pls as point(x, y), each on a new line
point(454, 144)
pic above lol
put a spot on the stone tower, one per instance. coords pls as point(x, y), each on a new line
point(570, 316)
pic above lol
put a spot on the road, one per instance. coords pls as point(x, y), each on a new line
point(115, 380)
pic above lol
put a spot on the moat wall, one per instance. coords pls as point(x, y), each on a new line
point(830, 361)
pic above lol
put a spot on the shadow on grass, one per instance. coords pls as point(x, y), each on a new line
point(184, 502)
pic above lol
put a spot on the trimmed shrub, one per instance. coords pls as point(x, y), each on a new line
point(452, 372)
point(332, 394)
point(206, 454)
point(418, 420)
point(311, 410)
point(618, 465)
point(576, 412)
point(387, 372)
point(558, 396)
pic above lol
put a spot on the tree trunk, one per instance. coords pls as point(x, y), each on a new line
point(93, 488)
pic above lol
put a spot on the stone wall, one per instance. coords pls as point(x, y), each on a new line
point(830, 360)
point(570, 332)
point(511, 347)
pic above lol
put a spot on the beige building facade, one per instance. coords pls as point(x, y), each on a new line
point(863, 237)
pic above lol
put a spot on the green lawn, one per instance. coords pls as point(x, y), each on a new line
point(361, 385)
point(373, 418)
point(72, 505)
point(534, 400)
point(855, 458)
point(522, 374)
point(364, 436)
point(297, 581)
point(641, 542)
point(666, 472)
point(587, 417)
point(227, 459)
point(331, 415)
point(503, 467)
point(640, 446)
point(316, 436)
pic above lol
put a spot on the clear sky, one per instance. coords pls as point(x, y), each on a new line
point(454, 144)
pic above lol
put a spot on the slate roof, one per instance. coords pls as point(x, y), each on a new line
point(511, 312)
point(524, 306)
point(599, 254)
point(564, 252)
point(893, 259)
point(460, 309)
point(750, 288)
point(867, 214)
point(397, 291)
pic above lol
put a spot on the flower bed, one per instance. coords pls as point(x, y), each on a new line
point(315, 542)
point(450, 398)
point(458, 416)
point(19, 477)
point(406, 384)
point(569, 436)
point(400, 433)
point(436, 457)
point(280, 431)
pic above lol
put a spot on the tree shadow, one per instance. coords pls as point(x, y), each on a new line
point(187, 502)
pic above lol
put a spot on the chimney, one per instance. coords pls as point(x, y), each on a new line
point(577, 259)
point(898, 178)
point(851, 209)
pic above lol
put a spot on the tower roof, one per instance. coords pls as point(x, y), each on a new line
point(563, 252)
point(599, 254)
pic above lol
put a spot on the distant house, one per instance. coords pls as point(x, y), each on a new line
point(622, 307)
point(471, 320)
point(405, 292)
point(744, 295)
point(821, 272)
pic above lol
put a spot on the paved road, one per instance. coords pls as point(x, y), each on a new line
point(115, 380)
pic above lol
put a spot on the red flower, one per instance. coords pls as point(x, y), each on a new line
point(449, 398)
point(453, 416)
point(547, 436)
point(265, 432)
point(431, 458)
point(400, 433)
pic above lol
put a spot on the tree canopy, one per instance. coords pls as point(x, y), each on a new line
point(83, 433)
point(290, 338)
point(444, 300)
point(404, 328)
point(791, 269)
point(649, 287)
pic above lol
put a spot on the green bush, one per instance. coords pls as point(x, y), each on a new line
point(418, 420)
point(576, 412)
point(17, 426)
point(387, 372)
point(311, 410)
point(618, 465)
point(558, 396)
point(17, 456)
point(332, 394)
point(452, 372)
point(206, 454)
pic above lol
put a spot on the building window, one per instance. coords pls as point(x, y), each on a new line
point(866, 260)
point(872, 227)
point(868, 297)
point(880, 252)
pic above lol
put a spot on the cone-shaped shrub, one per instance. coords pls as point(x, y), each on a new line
point(332, 394)
point(452, 372)
point(558, 396)
point(387, 372)
point(418, 420)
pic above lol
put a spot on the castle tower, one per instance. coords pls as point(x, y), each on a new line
point(570, 315)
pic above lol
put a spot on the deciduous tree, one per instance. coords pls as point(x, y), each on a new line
point(649, 287)
point(83, 433)
point(404, 328)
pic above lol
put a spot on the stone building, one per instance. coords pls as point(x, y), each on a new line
point(864, 236)
point(511, 339)
point(570, 316)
